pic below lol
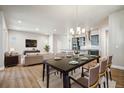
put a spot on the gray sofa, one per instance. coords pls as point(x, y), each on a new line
point(33, 59)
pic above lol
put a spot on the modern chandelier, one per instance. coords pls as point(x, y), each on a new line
point(78, 30)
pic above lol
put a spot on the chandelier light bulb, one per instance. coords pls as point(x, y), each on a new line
point(83, 30)
point(78, 30)
point(72, 31)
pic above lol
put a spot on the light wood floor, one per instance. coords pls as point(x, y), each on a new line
point(26, 77)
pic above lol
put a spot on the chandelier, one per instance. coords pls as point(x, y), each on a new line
point(78, 30)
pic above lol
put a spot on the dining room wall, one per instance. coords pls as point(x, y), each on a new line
point(61, 43)
point(3, 39)
point(17, 40)
point(1, 43)
point(116, 38)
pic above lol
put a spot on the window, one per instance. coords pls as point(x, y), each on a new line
point(95, 40)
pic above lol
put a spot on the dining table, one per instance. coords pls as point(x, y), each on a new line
point(64, 66)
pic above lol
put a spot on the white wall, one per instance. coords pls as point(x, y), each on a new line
point(1, 43)
point(103, 32)
point(3, 39)
point(56, 42)
point(51, 42)
point(17, 40)
point(61, 42)
point(116, 38)
point(5, 36)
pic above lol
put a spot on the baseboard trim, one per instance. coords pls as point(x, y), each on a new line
point(1, 68)
point(118, 67)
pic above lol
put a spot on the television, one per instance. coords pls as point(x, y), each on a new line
point(30, 43)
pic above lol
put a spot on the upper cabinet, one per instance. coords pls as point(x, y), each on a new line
point(94, 40)
point(82, 41)
point(78, 42)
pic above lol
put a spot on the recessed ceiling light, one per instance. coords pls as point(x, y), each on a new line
point(19, 21)
point(37, 29)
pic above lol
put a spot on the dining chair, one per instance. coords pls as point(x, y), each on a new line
point(90, 64)
point(109, 63)
point(86, 82)
point(87, 66)
point(102, 73)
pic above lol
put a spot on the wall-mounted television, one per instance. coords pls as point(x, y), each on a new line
point(30, 43)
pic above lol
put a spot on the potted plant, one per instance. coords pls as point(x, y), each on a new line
point(47, 48)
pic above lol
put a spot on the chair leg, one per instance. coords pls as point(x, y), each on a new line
point(74, 71)
point(107, 79)
point(99, 85)
point(60, 74)
point(57, 72)
point(110, 75)
point(104, 84)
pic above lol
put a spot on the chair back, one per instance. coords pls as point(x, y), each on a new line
point(103, 66)
point(109, 61)
point(93, 76)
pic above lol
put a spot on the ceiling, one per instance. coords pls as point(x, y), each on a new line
point(55, 19)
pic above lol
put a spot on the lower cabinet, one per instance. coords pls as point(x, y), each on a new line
point(93, 52)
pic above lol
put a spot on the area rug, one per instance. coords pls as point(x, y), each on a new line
point(57, 82)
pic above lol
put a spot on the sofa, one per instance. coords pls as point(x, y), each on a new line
point(32, 59)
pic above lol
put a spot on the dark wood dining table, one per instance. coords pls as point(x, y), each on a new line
point(64, 67)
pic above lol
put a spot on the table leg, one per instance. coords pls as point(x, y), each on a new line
point(107, 79)
point(65, 80)
point(47, 76)
point(43, 71)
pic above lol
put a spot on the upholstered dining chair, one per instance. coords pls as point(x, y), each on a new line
point(92, 63)
point(87, 66)
point(86, 82)
point(109, 63)
point(102, 72)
